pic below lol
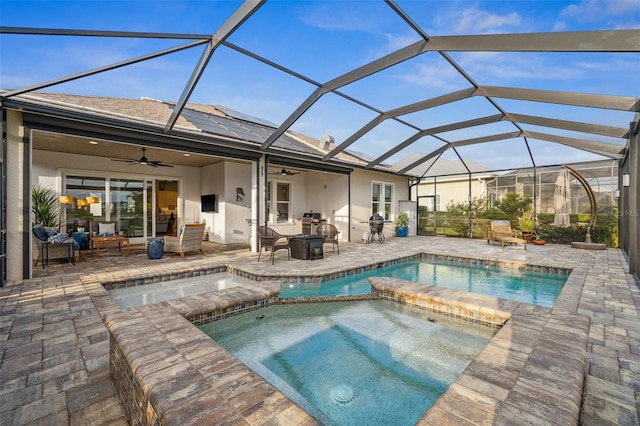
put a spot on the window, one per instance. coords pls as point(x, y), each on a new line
point(110, 198)
point(281, 200)
point(382, 199)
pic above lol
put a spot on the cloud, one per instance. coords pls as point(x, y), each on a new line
point(474, 20)
point(335, 16)
point(515, 66)
point(439, 75)
point(596, 10)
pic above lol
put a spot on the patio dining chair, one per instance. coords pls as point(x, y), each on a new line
point(331, 235)
point(272, 241)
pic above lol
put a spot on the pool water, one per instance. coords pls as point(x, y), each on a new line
point(129, 297)
point(331, 360)
point(523, 286)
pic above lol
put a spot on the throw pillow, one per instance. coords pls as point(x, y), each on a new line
point(106, 229)
point(51, 231)
point(40, 233)
point(58, 238)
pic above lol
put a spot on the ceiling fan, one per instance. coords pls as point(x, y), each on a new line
point(143, 160)
point(285, 172)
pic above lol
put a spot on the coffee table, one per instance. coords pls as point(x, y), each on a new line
point(97, 242)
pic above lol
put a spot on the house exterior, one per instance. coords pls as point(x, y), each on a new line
point(90, 148)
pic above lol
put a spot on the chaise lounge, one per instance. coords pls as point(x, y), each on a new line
point(501, 232)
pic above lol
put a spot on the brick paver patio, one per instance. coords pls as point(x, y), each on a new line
point(54, 345)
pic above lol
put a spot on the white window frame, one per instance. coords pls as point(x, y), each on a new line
point(391, 203)
point(273, 202)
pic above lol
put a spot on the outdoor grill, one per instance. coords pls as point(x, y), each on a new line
point(310, 221)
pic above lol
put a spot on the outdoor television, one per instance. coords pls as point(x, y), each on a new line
point(208, 203)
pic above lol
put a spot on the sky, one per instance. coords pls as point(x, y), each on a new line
point(323, 40)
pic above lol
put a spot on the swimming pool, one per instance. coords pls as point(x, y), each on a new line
point(329, 359)
point(138, 295)
point(523, 286)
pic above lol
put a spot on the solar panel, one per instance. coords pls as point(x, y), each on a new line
point(244, 130)
point(245, 117)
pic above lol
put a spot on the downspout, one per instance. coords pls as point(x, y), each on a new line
point(536, 208)
point(470, 209)
point(435, 206)
point(349, 205)
point(265, 173)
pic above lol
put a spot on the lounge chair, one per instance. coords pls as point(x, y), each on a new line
point(501, 232)
point(271, 240)
point(189, 239)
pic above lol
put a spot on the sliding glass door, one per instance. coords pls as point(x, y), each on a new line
point(127, 206)
point(127, 201)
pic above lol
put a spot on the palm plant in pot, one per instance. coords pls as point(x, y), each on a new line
point(44, 206)
point(402, 224)
point(527, 224)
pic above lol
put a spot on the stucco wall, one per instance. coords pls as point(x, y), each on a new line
point(328, 194)
point(361, 200)
point(14, 173)
point(456, 191)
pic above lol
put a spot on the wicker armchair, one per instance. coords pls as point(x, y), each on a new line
point(271, 240)
point(331, 235)
point(56, 251)
point(189, 239)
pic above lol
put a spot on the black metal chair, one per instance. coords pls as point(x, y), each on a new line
point(330, 233)
point(271, 240)
point(376, 224)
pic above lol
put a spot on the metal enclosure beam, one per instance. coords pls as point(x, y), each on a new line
point(234, 22)
point(604, 149)
point(434, 130)
point(596, 129)
point(573, 41)
point(394, 58)
point(618, 103)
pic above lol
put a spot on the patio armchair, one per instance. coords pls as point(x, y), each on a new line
point(39, 235)
point(189, 239)
point(330, 233)
point(272, 241)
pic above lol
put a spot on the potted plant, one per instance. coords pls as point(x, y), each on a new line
point(537, 239)
point(527, 224)
point(79, 225)
point(402, 224)
point(44, 205)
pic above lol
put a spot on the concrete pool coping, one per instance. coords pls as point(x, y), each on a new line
point(171, 373)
